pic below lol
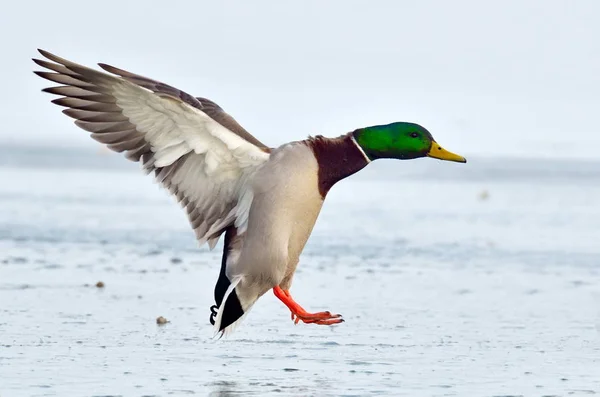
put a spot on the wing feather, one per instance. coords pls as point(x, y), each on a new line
point(196, 150)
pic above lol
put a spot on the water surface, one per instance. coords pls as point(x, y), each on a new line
point(454, 280)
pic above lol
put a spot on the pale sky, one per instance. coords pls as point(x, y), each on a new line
point(518, 78)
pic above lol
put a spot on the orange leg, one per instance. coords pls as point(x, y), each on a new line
point(299, 314)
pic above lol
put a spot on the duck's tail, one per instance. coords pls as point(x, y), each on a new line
point(232, 310)
point(232, 300)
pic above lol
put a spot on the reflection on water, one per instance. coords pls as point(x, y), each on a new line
point(226, 389)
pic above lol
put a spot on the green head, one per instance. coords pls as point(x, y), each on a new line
point(402, 141)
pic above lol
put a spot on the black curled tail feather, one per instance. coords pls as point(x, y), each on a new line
point(233, 308)
point(213, 314)
point(232, 311)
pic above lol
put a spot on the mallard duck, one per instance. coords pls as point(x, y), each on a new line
point(264, 200)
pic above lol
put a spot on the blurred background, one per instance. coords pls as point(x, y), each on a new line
point(475, 279)
point(495, 78)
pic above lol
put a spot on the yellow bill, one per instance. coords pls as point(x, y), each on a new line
point(438, 152)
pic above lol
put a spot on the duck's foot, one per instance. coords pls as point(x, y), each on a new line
point(299, 314)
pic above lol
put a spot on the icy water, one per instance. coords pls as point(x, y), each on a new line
point(455, 280)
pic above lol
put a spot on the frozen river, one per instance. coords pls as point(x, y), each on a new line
point(474, 280)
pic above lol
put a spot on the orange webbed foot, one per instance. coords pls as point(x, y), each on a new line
point(299, 314)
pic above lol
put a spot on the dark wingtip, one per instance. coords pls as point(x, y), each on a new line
point(52, 57)
point(58, 101)
point(44, 53)
point(115, 70)
point(71, 113)
point(109, 68)
point(41, 62)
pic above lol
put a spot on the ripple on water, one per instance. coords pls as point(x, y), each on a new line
point(509, 395)
point(358, 363)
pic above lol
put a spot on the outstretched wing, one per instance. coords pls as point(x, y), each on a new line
point(196, 150)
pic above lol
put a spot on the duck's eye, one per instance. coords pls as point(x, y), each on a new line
point(414, 135)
